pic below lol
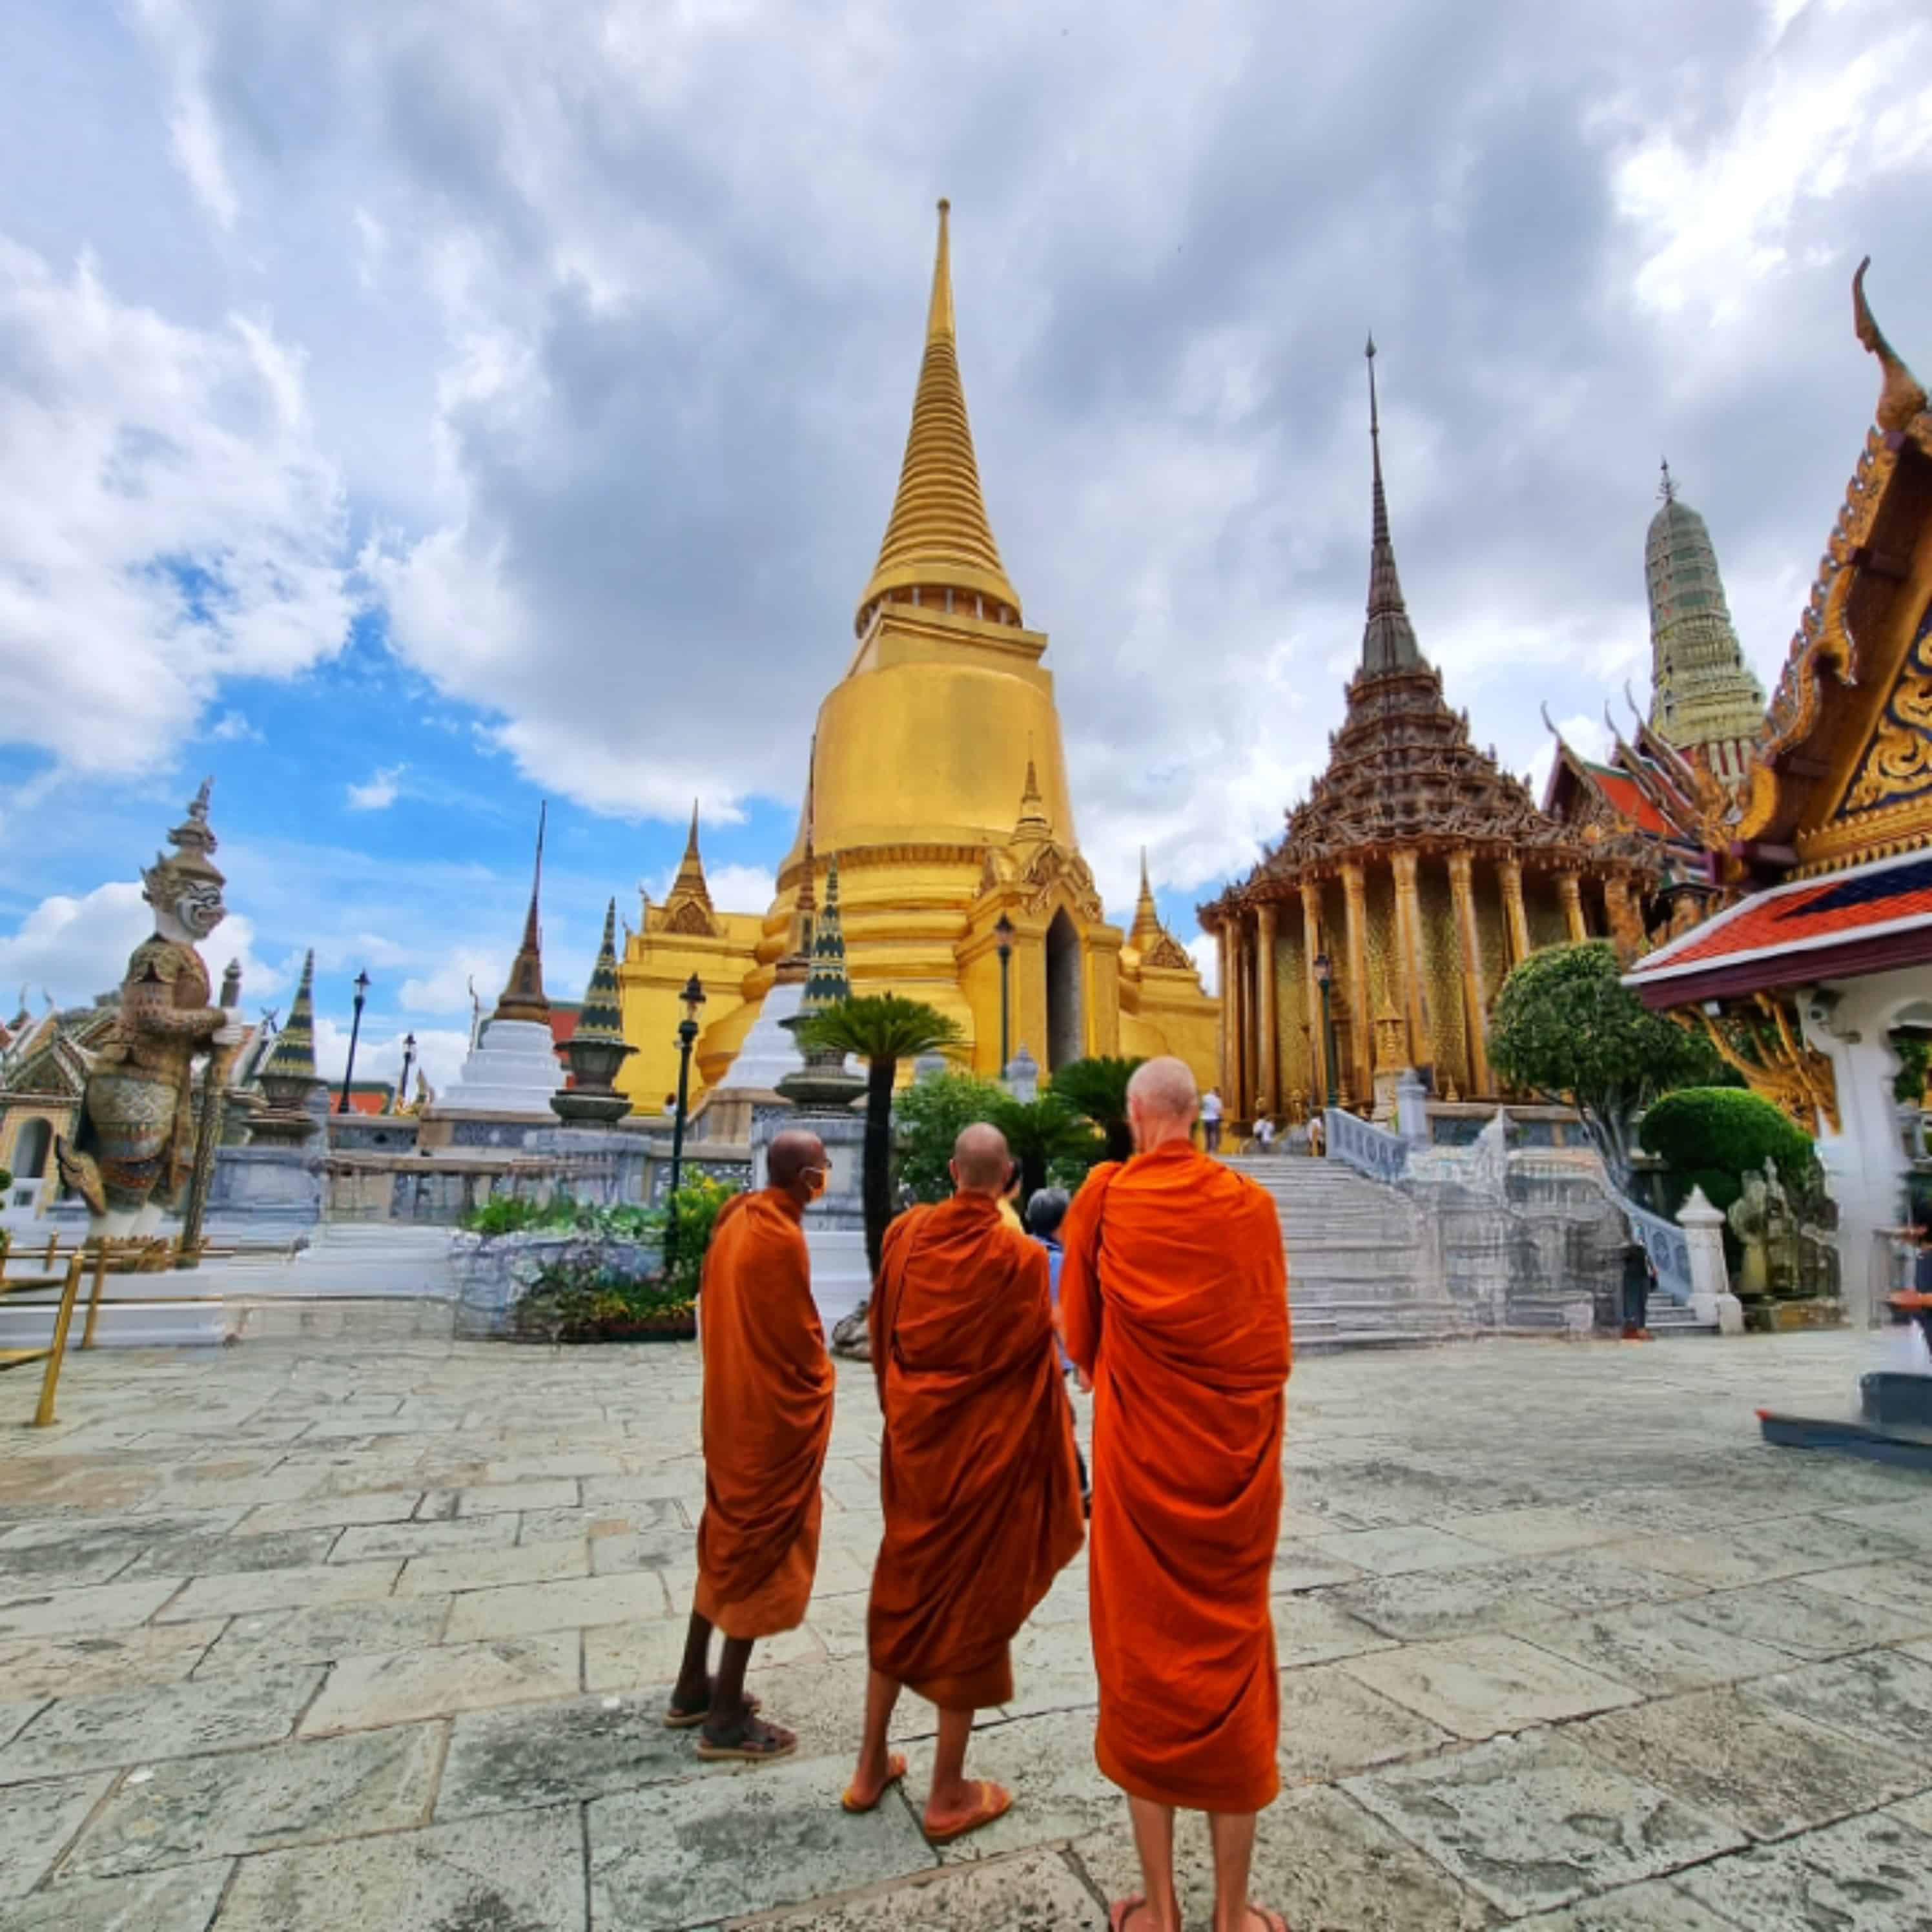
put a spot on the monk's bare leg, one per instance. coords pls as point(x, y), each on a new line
point(875, 1771)
point(1232, 1835)
point(733, 1723)
point(1153, 1840)
point(694, 1678)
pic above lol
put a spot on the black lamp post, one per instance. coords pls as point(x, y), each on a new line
point(693, 997)
point(409, 1060)
point(1003, 934)
point(1325, 974)
point(354, 1032)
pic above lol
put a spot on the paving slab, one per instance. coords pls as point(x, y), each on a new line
point(492, 1569)
point(1035, 1892)
point(1906, 1587)
point(36, 1822)
point(401, 1686)
point(1869, 1874)
point(498, 1498)
point(1531, 1532)
point(1398, 1550)
point(523, 1872)
point(1331, 1725)
point(1443, 1603)
point(689, 1854)
point(222, 1556)
point(1321, 1861)
point(331, 1512)
point(1477, 1686)
point(180, 1900)
point(327, 1633)
point(236, 1802)
point(1313, 1628)
point(1766, 1770)
point(539, 1754)
point(124, 1727)
point(368, 1541)
point(247, 1591)
point(1799, 1617)
point(1597, 1579)
point(26, 1611)
point(1658, 1907)
point(1536, 1821)
point(520, 1609)
point(1883, 1697)
point(1655, 1648)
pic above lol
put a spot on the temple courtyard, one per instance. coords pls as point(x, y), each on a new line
point(330, 1632)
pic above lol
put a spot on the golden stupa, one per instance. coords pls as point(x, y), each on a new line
point(937, 779)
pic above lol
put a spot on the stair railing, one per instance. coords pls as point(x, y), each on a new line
point(1664, 1241)
point(1367, 1148)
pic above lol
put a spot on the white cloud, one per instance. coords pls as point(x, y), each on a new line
point(232, 727)
point(440, 1052)
point(191, 122)
point(1205, 951)
point(76, 948)
point(734, 888)
point(379, 793)
point(446, 990)
point(166, 518)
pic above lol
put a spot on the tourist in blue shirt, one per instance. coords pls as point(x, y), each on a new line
point(1045, 1213)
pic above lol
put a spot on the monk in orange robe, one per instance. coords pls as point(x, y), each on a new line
point(1173, 1303)
point(976, 1472)
point(768, 1386)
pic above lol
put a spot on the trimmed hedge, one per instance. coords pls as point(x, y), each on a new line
point(1712, 1137)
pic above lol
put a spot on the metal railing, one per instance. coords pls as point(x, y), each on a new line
point(1664, 1241)
point(1367, 1148)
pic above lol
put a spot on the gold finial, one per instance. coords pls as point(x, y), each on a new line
point(938, 545)
point(1901, 396)
point(939, 316)
point(1666, 489)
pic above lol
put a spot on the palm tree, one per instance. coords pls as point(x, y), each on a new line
point(1098, 1088)
point(881, 1029)
point(1040, 1132)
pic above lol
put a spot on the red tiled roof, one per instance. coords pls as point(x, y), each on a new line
point(1785, 928)
point(1628, 797)
point(563, 1023)
point(366, 1096)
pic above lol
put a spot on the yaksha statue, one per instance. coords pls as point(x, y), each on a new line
point(136, 1143)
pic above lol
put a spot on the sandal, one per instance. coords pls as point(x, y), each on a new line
point(675, 1720)
point(895, 1769)
point(1118, 1916)
point(995, 1801)
point(749, 1741)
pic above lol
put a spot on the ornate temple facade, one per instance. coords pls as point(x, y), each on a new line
point(1824, 952)
point(1704, 700)
point(1423, 872)
point(937, 781)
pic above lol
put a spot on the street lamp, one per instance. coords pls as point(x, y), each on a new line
point(1003, 933)
point(355, 1030)
point(409, 1060)
point(1325, 974)
point(693, 997)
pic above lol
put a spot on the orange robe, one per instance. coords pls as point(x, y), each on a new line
point(768, 1384)
point(976, 1467)
point(1173, 1298)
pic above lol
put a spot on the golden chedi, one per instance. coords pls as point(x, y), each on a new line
point(937, 779)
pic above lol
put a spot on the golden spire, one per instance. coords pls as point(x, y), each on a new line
point(688, 907)
point(1901, 396)
point(1147, 926)
point(938, 545)
point(523, 996)
point(1033, 827)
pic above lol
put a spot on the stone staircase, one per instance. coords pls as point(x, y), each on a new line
point(1360, 1271)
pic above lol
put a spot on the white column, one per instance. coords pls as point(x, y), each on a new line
point(1710, 1297)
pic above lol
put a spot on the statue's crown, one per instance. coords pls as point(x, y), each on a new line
point(191, 860)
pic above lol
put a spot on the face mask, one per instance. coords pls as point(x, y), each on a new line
point(816, 1181)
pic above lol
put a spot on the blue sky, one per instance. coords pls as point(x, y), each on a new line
point(407, 421)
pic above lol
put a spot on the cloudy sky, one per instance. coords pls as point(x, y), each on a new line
point(409, 411)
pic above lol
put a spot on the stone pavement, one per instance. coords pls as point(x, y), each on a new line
point(307, 1637)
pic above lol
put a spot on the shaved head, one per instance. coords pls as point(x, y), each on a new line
point(792, 1152)
point(1164, 1089)
point(980, 1160)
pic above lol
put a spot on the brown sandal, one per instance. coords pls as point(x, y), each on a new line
point(749, 1741)
point(675, 1720)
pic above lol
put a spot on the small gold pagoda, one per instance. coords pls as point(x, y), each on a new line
point(1419, 869)
point(937, 780)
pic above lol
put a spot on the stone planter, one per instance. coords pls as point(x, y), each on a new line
point(494, 1272)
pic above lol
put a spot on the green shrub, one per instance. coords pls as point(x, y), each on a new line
point(6, 1179)
point(694, 1209)
point(588, 1304)
point(1712, 1137)
point(517, 1214)
point(1915, 1054)
point(927, 1119)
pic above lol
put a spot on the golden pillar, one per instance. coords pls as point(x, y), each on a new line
point(1224, 939)
point(1269, 1100)
point(1237, 1009)
point(1408, 959)
point(1510, 872)
point(1571, 888)
point(1464, 895)
point(1311, 944)
point(1361, 1015)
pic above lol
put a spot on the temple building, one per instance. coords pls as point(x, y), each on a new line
point(1419, 871)
point(937, 781)
point(1824, 955)
point(1704, 700)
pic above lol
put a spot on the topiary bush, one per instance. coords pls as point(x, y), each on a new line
point(927, 1118)
point(1712, 1137)
point(6, 1180)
